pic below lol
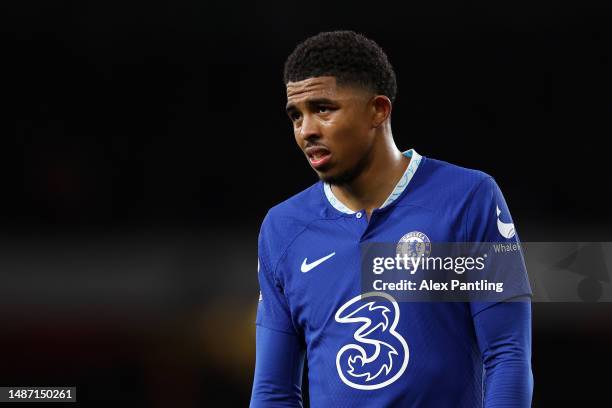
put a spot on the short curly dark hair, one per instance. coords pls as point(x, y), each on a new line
point(350, 57)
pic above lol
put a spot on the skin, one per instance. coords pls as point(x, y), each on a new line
point(354, 124)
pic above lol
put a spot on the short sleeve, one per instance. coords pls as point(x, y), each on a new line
point(273, 309)
point(488, 221)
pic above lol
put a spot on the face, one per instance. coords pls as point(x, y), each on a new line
point(332, 125)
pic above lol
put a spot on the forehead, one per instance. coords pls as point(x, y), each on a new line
point(324, 86)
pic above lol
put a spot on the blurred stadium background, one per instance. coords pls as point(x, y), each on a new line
point(142, 144)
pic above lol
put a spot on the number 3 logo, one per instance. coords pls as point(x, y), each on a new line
point(388, 354)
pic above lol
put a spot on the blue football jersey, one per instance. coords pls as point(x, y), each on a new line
point(366, 349)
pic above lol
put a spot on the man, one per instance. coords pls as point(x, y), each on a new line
point(340, 90)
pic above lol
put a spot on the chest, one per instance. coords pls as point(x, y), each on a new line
point(322, 268)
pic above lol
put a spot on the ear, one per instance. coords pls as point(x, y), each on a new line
point(381, 107)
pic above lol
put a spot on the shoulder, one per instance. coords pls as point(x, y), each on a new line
point(295, 212)
point(441, 184)
point(459, 179)
point(288, 219)
point(449, 189)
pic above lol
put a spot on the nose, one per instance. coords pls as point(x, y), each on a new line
point(309, 128)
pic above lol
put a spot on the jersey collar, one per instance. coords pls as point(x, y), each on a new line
point(399, 187)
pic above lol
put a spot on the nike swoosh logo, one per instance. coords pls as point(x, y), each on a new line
point(308, 266)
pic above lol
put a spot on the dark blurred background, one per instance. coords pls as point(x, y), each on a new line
point(143, 142)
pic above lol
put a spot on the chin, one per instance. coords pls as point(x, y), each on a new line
point(337, 178)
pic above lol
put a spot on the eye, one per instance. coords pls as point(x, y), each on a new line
point(294, 116)
point(324, 109)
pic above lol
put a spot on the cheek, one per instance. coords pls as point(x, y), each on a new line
point(353, 135)
point(344, 128)
point(297, 138)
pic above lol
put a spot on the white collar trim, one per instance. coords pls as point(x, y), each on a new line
point(399, 187)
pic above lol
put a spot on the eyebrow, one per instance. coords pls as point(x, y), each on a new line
point(311, 102)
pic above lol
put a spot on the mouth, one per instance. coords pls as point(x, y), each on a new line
point(318, 156)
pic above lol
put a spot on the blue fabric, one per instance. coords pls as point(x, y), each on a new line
point(504, 337)
point(278, 370)
point(373, 351)
point(503, 331)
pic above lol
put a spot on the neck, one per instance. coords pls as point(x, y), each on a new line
point(374, 184)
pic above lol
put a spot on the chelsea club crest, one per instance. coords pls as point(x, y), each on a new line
point(414, 244)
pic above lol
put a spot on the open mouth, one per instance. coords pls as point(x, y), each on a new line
point(318, 156)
